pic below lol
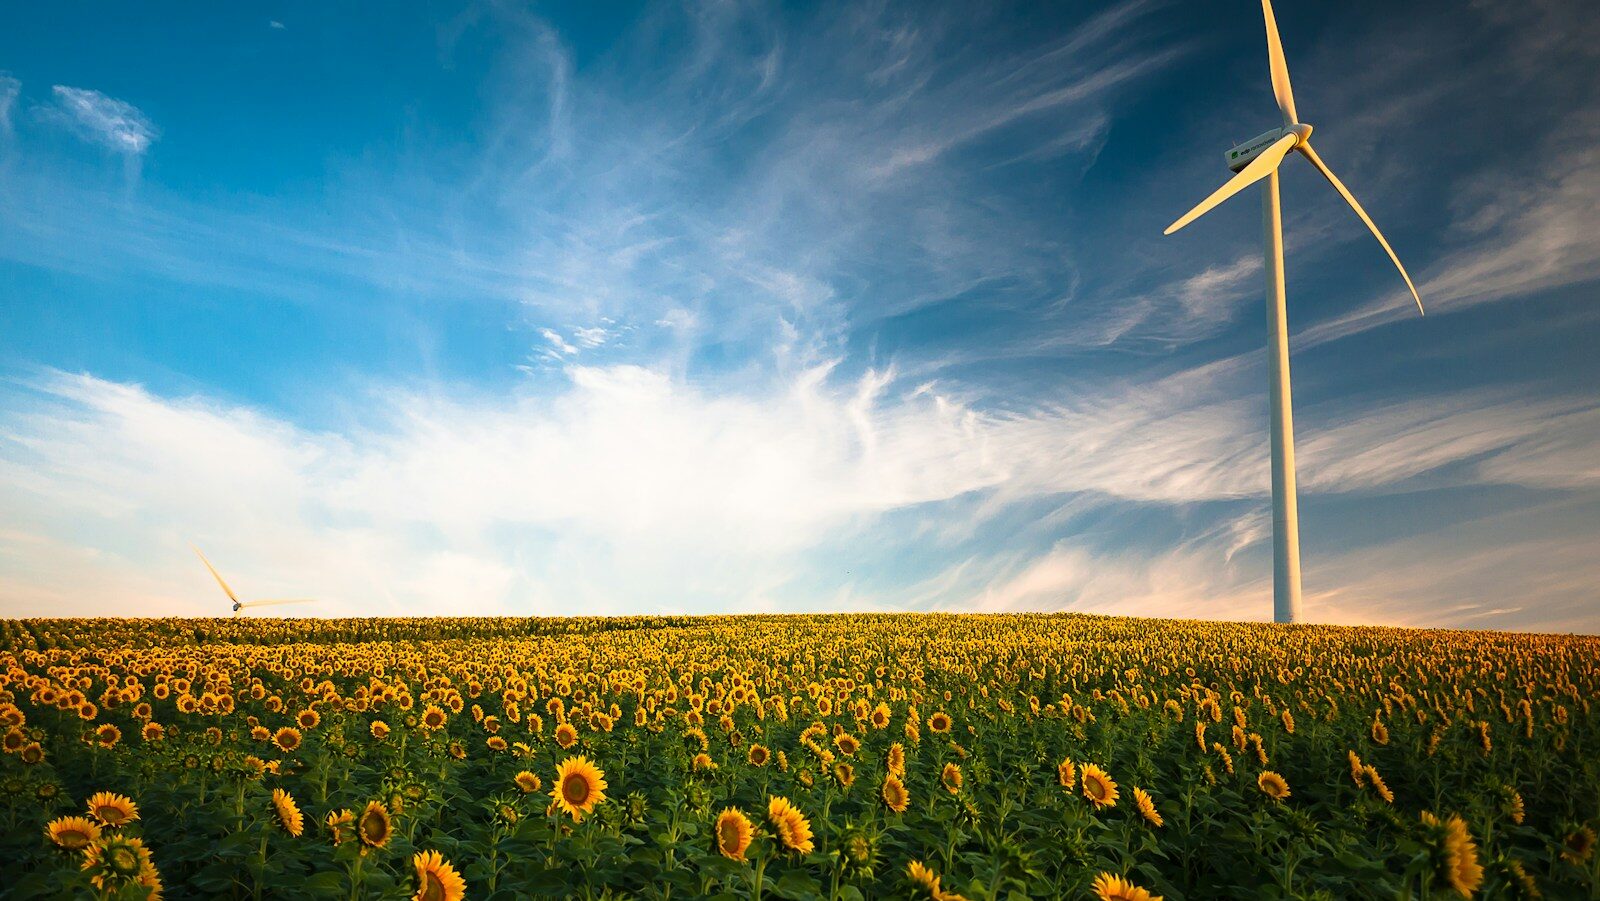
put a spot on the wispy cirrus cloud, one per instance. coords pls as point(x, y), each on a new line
point(116, 124)
point(10, 90)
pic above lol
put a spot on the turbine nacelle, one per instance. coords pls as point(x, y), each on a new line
point(1240, 156)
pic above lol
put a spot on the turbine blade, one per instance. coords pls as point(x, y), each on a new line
point(1311, 156)
point(216, 575)
point(1279, 67)
point(1258, 169)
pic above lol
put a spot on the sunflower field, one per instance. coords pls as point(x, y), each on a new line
point(842, 756)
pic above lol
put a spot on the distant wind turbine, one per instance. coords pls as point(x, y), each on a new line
point(239, 605)
point(1254, 160)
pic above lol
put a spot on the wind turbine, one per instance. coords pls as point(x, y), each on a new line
point(1252, 161)
point(239, 605)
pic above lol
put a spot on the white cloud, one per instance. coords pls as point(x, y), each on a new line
point(591, 336)
point(558, 343)
point(634, 490)
point(10, 89)
point(106, 120)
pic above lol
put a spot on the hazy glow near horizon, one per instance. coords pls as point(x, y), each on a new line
point(729, 308)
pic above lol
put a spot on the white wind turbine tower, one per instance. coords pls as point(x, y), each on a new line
point(1253, 161)
point(239, 605)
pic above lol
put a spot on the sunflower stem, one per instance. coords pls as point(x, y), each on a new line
point(761, 869)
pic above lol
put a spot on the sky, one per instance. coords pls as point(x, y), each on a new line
point(613, 308)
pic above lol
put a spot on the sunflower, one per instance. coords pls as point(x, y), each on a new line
point(923, 878)
point(341, 823)
point(375, 827)
point(528, 782)
point(580, 785)
point(1147, 807)
point(844, 774)
point(758, 755)
point(107, 735)
point(1110, 887)
point(116, 861)
point(380, 730)
point(1379, 787)
point(789, 825)
point(289, 814)
point(1099, 787)
point(847, 744)
point(14, 739)
point(113, 809)
point(1514, 808)
point(153, 732)
point(951, 777)
point(939, 722)
point(927, 881)
point(1519, 879)
point(895, 794)
point(733, 833)
point(702, 763)
point(897, 759)
point(73, 833)
point(880, 716)
point(436, 879)
point(1274, 785)
point(566, 735)
point(1380, 732)
point(433, 717)
point(287, 739)
point(1067, 774)
point(32, 753)
point(1457, 855)
point(1578, 845)
point(308, 718)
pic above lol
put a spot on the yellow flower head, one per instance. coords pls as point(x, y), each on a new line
point(579, 786)
point(894, 794)
point(1110, 887)
point(1099, 787)
point(1273, 785)
point(734, 832)
point(73, 833)
point(116, 861)
point(289, 814)
point(950, 776)
point(375, 827)
point(287, 739)
point(1147, 807)
point(1457, 854)
point(436, 879)
point(341, 823)
point(789, 825)
point(113, 809)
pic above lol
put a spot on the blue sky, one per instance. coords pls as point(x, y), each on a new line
point(728, 307)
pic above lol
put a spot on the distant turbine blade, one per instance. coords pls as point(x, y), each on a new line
point(1258, 169)
point(1349, 198)
point(1279, 67)
point(273, 602)
point(231, 596)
